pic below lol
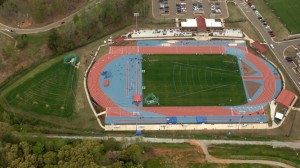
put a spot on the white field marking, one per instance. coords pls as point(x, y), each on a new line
point(193, 78)
point(201, 67)
point(174, 78)
point(206, 89)
point(205, 79)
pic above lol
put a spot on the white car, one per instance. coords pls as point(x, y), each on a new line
point(272, 46)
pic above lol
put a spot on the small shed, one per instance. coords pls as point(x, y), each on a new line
point(285, 98)
point(138, 132)
point(201, 119)
point(259, 47)
point(279, 116)
point(171, 120)
point(118, 39)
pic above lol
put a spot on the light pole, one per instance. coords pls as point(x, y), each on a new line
point(242, 116)
point(136, 114)
point(136, 15)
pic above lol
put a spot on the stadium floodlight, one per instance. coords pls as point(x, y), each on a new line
point(136, 15)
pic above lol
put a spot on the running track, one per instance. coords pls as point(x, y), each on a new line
point(118, 51)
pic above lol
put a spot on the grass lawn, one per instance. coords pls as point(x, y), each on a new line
point(48, 92)
point(288, 11)
point(193, 80)
point(261, 152)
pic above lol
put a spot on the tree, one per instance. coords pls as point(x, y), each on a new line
point(111, 145)
point(50, 158)
point(38, 148)
point(54, 41)
point(132, 154)
point(22, 41)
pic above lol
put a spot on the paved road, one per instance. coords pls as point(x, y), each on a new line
point(49, 26)
point(202, 143)
point(279, 47)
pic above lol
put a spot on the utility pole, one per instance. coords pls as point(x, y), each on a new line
point(136, 15)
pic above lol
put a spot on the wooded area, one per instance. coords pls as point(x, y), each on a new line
point(43, 152)
point(39, 10)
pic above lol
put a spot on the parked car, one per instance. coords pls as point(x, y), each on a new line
point(289, 59)
point(272, 34)
point(272, 46)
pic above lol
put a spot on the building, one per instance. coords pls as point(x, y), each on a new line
point(190, 25)
point(285, 98)
point(201, 24)
point(259, 47)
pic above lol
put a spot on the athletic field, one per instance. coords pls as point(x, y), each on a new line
point(288, 11)
point(47, 92)
point(193, 80)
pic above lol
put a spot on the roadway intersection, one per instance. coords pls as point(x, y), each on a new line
point(279, 47)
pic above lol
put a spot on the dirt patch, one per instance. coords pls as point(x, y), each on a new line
point(26, 23)
point(252, 87)
point(247, 70)
point(179, 157)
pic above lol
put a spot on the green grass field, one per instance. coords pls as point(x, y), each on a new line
point(193, 80)
point(47, 92)
point(288, 11)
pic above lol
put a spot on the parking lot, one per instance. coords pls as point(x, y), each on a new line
point(183, 9)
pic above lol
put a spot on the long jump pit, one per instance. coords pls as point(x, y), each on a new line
point(183, 85)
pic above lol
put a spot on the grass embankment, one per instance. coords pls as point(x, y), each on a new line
point(238, 20)
point(191, 80)
point(256, 152)
point(276, 14)
point(48, 91)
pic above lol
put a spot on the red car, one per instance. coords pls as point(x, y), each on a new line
point(272, 34)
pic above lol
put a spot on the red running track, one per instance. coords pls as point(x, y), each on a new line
point(119, 51)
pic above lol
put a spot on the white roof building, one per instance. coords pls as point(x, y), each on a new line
point(279, 116)
point(213, 23)
point(189, 23)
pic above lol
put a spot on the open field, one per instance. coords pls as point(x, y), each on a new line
point(262, 152)
point(192, 80)
point(82, 118)
point(184, 155)
point(48, 92)
point(288, 12)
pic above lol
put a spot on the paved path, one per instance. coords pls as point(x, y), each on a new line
point(49, 26)
point(203, 144)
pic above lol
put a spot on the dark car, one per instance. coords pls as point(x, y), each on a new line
point(289, 59)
